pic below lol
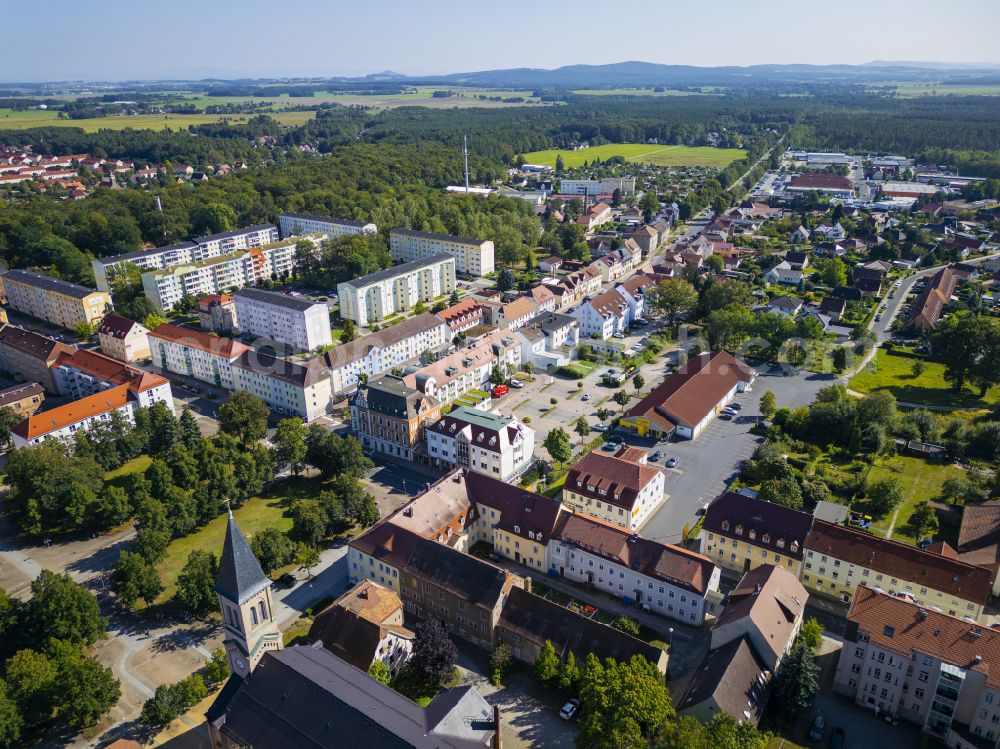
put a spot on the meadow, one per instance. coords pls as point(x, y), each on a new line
point(15, 120)
point(926, 387)
point(641, 153)
point(910, 90)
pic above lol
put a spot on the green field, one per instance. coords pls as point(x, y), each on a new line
point(641, 153)
point(911, 90)
point(921, 481)
point(634, 92)
point(13, 120)
point(895, 374)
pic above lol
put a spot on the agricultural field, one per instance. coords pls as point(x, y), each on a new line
point(642, 153)
point(635, 92)
point(12, 120)
point(910, 90)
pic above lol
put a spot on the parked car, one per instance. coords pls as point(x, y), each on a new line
point(672, 462)
point(516, 384)
point(586, 397)
point(617, 335)
point(655, 456)
point(818, 728)
point(837, 738)
point(878, 318)
point(726, 415)
point(569, 709)
point(609, 447)
point(736, 406)
point(500, 391)
point(288, 580)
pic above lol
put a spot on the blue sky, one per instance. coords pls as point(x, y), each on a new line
point(141, 39)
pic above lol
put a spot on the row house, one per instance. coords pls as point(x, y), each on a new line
point(390, 418)
point(467, 314)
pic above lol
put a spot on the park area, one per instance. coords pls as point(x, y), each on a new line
point(640, 153)
point(921, 481)
point(924, 385)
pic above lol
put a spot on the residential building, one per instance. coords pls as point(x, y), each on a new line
point(549, 340)
point(296, 224)
point(363, 626)
point(484, 442)
point(603, 315)
point(767, 608)
point(838, 559)
point(391, 418)
point(661, 578)
point(285, 386)
point(979, 537)
point(79, 373)
point(24, 399)
point(833, 307)
point(732, 680)
point(222, 273)
point(635, 291)
point(784, 273)
point(543, 297)
point(201, 248)
point(382, 294)
point(685, 403)
point(648, 238)
point(923, 666)
point(550, 264)
point(595, 216)
point(789, 306)
point(473, 257)
point(467, 314)
point(741, 533)
point(466, 593)
point(123, 339)
point(616, 265)
point(928, 308)
point(375, 354)
point(528, 621)
point(62, 422)
point(469, 367)
point(303, 697)
point(605, 186)
point(58, 302)
point(217, 313)
point(28, 356)
point(300, 324)
point(619, 488)
point(512, 315)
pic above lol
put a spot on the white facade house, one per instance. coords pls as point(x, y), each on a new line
point(298, 323)
point(473, 257)
point(201, 248)
point(81, 373)
point(218, 274)
point(603, 315)
point(620, 488)
point(63, 422)
point(378, 295)
point(605, 186)
point(297, 224)
point(469, 367)
point(548, 340)
point(484, 442)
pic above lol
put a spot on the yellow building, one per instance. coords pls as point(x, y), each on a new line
point(58, 302)
point(741, 533)
point(619, 488)
point(839, 559)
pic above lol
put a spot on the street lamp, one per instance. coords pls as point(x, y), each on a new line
point(671, 638)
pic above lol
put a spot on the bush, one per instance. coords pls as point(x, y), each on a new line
point(526, 419)
point(553, 401)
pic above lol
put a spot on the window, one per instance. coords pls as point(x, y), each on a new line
point(923, 676)
point(918, 693)
point(859, 652)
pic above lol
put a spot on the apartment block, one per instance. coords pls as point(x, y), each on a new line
point(606, 186)
point(920, 665)
point(378, 295)
point(55, 301)
point(620, 488)
point(473, 257)
point(62, 422)
point(201, 248)
point(484, 442)
point(297, 224)
point(298, 323)
point(216, 274)
point(28, 356)
point(389, 417)
point(80, 373)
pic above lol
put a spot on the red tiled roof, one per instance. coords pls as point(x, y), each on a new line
point(225, 347)
point(45, 422)
point(109, 370)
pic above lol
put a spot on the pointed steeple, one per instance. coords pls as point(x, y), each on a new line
point(240, 575)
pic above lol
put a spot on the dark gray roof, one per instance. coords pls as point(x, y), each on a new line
point(125, 256)
point(434, 235)
point(298, 304)
point(399, 270)
point(234, 233)
point(325, 219)
point(475, 581)
point(734, 678)
point(19, 391)
point(49, 283)
point(391, 396)
point(263, 361)
point(550, 322)
point(240, 575)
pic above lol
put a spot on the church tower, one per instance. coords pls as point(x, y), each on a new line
point(245, 601)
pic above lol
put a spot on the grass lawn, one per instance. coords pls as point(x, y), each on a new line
point(921, 480)
point(256, 514)
point(777, 742)
point(895, 374)
point(642, 153)
point(11, 120)
point(136, 465)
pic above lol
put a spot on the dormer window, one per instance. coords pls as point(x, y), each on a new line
point(725, 525)
point(739, 530)
point(752, 535)
point(780, 543)
point(766, 538)
point(795, 546)
point(517, 529)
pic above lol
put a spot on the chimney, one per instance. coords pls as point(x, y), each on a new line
point(527, 584)
point(497, 740)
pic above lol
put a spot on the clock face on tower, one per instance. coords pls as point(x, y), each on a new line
point(239, 663)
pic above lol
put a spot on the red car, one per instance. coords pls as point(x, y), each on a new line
point(500, 390)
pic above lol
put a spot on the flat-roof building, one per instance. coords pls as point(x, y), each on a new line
point(473, 257)
point(296, 224)
point(299, 323)
point(379, 295)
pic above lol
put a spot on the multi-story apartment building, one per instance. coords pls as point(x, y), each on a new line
point(661, 578)
point(298, 323)
point(604, 315)
point(297, 224)
point(29, 356)
point(473, 257)
point(620, 488)
point(201, 248)
point(741, 533)
point(286, 387)
point(377, 353)
point(605, 186)
point(484, 442)
point(467, 368)
point(58, 302)
point(389, 417)
point(918, 664)
point(838, 559)
point(24, 399)
point(80, 373)
point(220, 273)
point(62, 422)
point(378, 295)
point(123, 339)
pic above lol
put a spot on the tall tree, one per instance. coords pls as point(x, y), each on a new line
point(196, 583)
point(434, 654)
point(547, 664)
point(672, 297)
point(621, 398)
point(623, 704)
point(134, 578)
point(796, 683)
point(290, 444)
point(272, 548)
point(558, 444)
point(768, 405)
point(188, 430)
point(65, 610)
point(244, 416)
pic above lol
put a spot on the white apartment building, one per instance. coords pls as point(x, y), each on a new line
point(467, 368)
point(298, 323)
point(377, 353)
point(619, 488)
point(81, 373)
point(473, 257)
point(605, 186)
point(378, 295)
point(484, 442)
point(548, 340)
point(286, 387)
point(662, 578)
point(62, 422)
point(222, 273)
point(604, 315)
point(201, 248)
point(297, 224)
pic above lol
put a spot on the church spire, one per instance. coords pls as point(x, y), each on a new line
point(240, 575)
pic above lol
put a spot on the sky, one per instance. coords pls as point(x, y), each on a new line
point(141, 39)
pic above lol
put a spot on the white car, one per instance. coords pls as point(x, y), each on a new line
point(586, 397)
point(569, 709)
point(516, 384)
